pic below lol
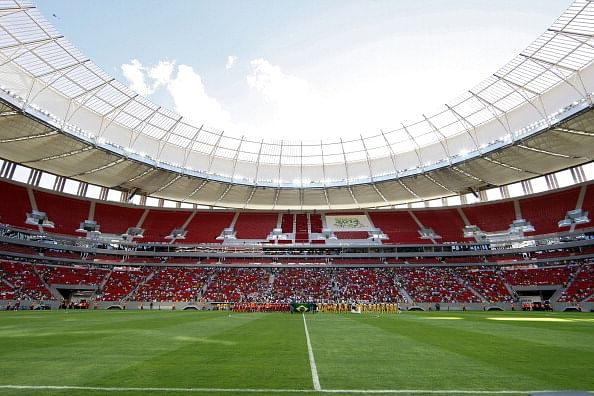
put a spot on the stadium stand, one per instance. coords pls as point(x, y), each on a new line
point(158, 224)
point(26, 282)
point(366, 285)
point(538, 276)
point(173, 284)
point(255, 225)
point(287, 223)
point(238, 284)
point(491, 217)
point(116, 219)
point(121, 282)
point(302, 284)
point(435, 285)
point(71, 276)
point(13, 211)
point(301, 228)
point(316, 223)
point(400, 227)
point(205, 227)
point(588, 205)
point(581, 287)
point(488, 283)
point(66, 212)
point(446, 223)
point(545, 211)
point(351, 234)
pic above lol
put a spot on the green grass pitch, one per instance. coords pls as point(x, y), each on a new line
point(185, 353)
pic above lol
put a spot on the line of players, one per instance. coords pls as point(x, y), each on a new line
point(375, 308)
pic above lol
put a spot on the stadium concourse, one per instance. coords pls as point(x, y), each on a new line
point(112, 201)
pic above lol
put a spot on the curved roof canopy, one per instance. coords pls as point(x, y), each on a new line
point(46, 77)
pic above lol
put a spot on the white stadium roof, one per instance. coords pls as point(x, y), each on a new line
point(61, 113)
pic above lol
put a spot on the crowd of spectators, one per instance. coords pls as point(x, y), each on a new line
point(488, 282)
point(434, 284)
point(173, 284)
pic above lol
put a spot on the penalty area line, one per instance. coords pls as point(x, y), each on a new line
point(312, 361)
point(249, 390)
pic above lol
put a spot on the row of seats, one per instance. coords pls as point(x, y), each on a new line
point(283, 285)
point(402, 226)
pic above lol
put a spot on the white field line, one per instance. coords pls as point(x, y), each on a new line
point(312, 360)
point(250, 390)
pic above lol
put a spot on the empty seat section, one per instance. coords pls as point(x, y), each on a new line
point(301, 228)
point(287, 223)
point(205, 227)
point(159, 224)
point(316, 223)
point(255, 225)
point(446, 223)
point(351, 234)
point(544, 212)
point(399, 226)
point(116, 219)
point(491, 217)
point(15, 205)
point(66, 213)
point(588, 206)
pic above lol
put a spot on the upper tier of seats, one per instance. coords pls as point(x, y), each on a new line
point(544, 211)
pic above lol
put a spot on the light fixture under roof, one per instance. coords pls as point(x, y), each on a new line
point(133, 232)
point(177, 233)
point(38, 218)
point(228, 233)
point(428, 233)
point(88, 226)
point(575, 216)
point(521, 225)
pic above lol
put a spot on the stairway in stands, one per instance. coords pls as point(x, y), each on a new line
point(301, 228)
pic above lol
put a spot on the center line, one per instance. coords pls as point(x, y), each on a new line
point(312, 360)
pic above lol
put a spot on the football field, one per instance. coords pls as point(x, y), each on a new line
point(185, 353)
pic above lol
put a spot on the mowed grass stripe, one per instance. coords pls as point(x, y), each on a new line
point(214, 352)
point(402, 352)
point(263, 353)
point(78, 347)
point(187, 349)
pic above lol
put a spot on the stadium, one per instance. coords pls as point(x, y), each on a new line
point(144, 253)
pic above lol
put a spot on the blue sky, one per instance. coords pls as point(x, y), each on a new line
point(301, 69)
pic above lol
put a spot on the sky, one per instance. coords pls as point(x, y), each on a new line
point(301, 70)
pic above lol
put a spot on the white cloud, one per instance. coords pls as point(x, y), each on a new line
point(185, 86)
point(161, 73)
point(290, 107)
point(276, 86)
point(231, 59)
point(191, 99)
point(135, 73)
